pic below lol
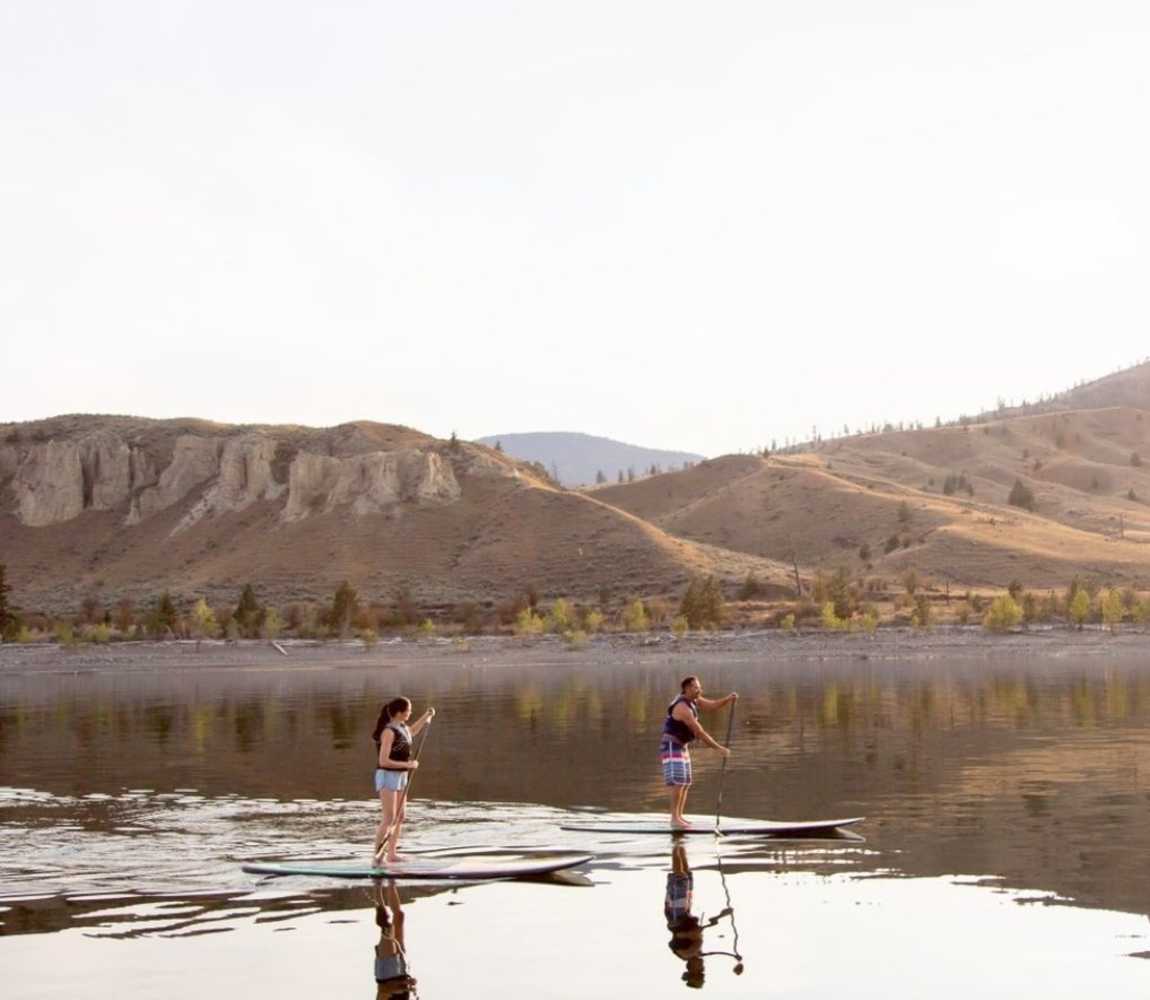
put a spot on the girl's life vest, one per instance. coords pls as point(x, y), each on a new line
point(400, 745)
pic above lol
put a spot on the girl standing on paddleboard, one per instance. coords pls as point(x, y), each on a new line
point(393, 739)
point(680, 728)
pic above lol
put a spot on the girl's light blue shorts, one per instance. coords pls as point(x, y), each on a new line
point(392, 781)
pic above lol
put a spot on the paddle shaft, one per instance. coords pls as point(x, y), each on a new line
point(723, 768)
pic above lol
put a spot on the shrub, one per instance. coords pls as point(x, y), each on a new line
point(680, 626)
point(658, 610)
point(1021, 495)
point(921, 616)
point(910, 582)
point(1079, 608)
point(64, 633)
point(203, 620)
point(426, 628)
point(461, 645)
point(1112, 609)
point(751, 588)
point(561, 617)
point(869, 621)
point(891, 544)
point(273, 625)
point(1030, 609)
point(634, 618)
point(528, 623)
point(470, 616)
point(830, 619)
point(1141, 611)
point(98, 633)
point(787, 622)
point(369, 637)
point(1004, 614)
point(593, 621)
point(864, 552)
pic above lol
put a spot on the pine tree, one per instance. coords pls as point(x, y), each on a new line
point(689, 605)
point(248, 612)
point(344, 607)
point(5, 590)
point(711, 599)
point(163, 618)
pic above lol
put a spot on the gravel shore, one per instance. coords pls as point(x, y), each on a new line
point(966, 642)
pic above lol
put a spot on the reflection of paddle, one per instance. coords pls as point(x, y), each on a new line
point(401, 800)
point(734, 953)
point(723, 769)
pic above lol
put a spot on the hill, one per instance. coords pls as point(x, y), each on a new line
point(579, 459)
point(933, 500)
point(124, 507)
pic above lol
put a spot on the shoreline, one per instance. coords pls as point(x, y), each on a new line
point(813, 645)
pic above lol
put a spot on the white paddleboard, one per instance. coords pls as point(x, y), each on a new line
point(473, 869)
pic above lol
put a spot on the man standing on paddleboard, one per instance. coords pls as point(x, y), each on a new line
point(680, 728)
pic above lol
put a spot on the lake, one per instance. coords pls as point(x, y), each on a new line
point(1004, 851)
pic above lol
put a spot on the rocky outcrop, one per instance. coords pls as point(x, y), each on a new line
point(49, 484)
point(58, 480)
point(367, 484)
point(245, 477)
point(116, 468)
point(194, 461)
point(106, 470)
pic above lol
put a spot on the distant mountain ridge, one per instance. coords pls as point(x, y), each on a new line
point(579, 458)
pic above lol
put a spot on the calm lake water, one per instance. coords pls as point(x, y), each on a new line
point(1005, 849)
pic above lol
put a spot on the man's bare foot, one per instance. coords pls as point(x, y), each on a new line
point(680, 824)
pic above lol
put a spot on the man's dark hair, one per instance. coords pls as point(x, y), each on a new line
point(689, 679)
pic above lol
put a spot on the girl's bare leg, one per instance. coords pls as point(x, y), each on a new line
point(393, 843)
point(386, 821)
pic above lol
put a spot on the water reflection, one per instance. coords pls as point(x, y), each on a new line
point(687, 930)
point(391, 968)
point(1033, 771)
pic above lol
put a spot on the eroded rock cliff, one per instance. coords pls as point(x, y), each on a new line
point(144, 471)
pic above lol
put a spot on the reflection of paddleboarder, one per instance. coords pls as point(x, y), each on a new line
point(680, 728)
point(391, 979)
point(686, 929)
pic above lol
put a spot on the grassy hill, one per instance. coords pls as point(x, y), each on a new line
point(121, 506)
point(884, 503)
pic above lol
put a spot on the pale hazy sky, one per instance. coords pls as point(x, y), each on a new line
point(694, 226)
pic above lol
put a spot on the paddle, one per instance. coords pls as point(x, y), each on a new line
point(407, 790)
point(723, 769)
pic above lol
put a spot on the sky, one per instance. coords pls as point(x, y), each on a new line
point(682, 225)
